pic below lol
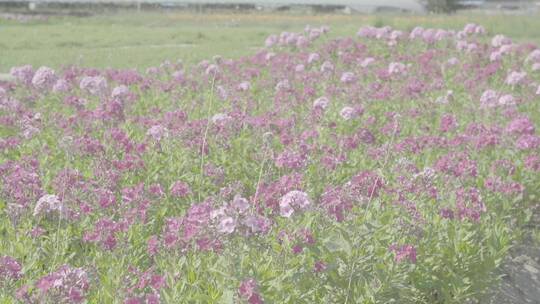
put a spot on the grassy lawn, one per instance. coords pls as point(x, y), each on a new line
point(142, 40)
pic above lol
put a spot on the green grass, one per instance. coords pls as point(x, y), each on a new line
point(132, 40)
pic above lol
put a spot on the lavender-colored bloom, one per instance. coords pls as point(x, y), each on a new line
point(499, 40)
point(158, 132)
point(396, 68)
point(521, 125)
point(61, 86)
point(66, 285)
point(244, 86)
point(240, 204)
point(227, 225)
point(321, 103)
point(49, 204)
point(10, 268)
point(293, 200)
point(44, 78)
point(23, 74)
point(405, 252)
point(489, 99)
point(221, 119)
point(348, 77)
point(534, 56)
point(271, 41)
point(507, 100)
point(95, 85)
point(313, 57)
point(120, 92)
point(515, 78)
point(367, 62)
point(348, 113)
point(327, 66)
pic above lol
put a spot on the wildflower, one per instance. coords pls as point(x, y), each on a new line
point(49, 204)
point(396, 68)
point(221, 119)
point(61, 85)
point(10, 268)
point(96, 85)
point(293, 200)
point(24, 74)
point(404, 252)
point(158, 132)
point(348, 113)
point(44, 78)
point(321, 103)
point(226, 225)
point(248, 290)
point(240, 204)
point(348, 77)
point(66, 285)
point(120, 92)
point(515, 78)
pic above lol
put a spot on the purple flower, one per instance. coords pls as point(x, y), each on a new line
point(66, 285)
point(10, 268)
point(404, 252)
point(180, 189)
point(519, 126)
point(248, 290)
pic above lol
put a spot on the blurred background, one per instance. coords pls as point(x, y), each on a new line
point(142, 33)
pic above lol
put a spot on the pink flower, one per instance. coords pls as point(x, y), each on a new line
point(404, 252)
point(522, 125)
point(180, 189)
point(10, 268)
point(248, 290)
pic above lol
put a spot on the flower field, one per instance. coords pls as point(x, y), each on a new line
point(384, 167)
